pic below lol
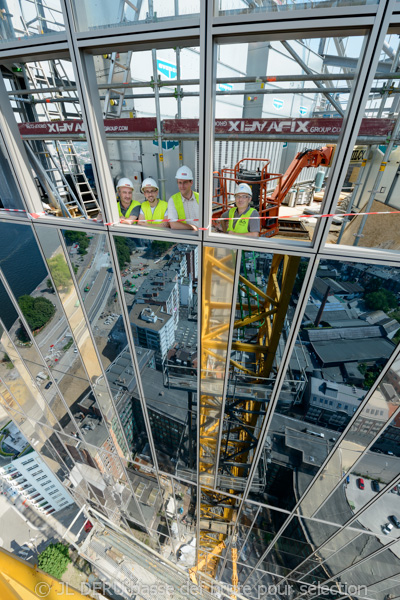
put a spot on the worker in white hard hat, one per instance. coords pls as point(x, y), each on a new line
point(184, 205)
point(128, 209)
point(153, 211)
point(236, 221)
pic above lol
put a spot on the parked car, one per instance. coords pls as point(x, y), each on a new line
point(394, 490)
point(387, 528)
point(395, 521)
point(348, 479)
point(361, 483)
point(375, 485)
point(46, 387)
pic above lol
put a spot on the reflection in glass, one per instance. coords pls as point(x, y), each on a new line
point(138, 96)
point(160, 291)
point(241, 7)
point(269, 92)
point(371, 183)
point(89, 15)
point(29, 19)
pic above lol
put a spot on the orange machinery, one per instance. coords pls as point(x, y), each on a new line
point(268, 203)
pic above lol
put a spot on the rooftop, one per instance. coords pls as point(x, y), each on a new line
point(150, 317)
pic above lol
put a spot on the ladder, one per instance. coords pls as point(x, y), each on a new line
point(119, 65)
point(58, 160)
point(54, 184)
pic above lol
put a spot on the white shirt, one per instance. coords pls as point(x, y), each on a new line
point(191, 209)
point(143, 218)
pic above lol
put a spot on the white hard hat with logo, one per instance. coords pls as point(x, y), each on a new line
point(184, 173)
point(243, 188)
point(125, 182)
point(149, 182)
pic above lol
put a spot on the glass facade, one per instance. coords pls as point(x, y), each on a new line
point(223, 408)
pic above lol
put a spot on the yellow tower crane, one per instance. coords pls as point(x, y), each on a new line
point(262, 308)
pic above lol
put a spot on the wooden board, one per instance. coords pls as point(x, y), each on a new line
point(379, 231)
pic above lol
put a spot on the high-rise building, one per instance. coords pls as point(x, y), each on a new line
point(219, 394)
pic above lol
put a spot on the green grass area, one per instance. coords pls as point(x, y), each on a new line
point(68, 344)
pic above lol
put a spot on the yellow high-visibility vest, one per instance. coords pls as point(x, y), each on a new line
point(242, 225)
point(159, 210)
point(178, 202)
point(132, 205)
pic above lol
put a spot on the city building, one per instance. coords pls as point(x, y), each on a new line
point(30, 477)
point(216, 389)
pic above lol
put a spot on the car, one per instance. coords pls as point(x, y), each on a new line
point(394, 490)
point(375, 485)
point(389, 453)
point(387, 528)
point(361, 483)
point(348, 479)
point(46, 387)
point(75, 350)
point(395, 521)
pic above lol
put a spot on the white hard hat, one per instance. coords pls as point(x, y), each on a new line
point(125, 182)
point(149, 182)
point(243, 188)
point(184, 173)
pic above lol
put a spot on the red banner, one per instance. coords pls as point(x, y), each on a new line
point(233, 127)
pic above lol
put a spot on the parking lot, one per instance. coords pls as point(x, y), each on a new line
point(377, 515)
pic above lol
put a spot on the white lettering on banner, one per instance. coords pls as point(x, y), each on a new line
point(277, 126)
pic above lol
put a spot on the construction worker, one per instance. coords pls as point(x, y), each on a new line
point(128, 209)
point(236, 219)
point(152, 208)
point(185, 203)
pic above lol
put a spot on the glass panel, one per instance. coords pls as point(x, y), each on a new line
point(46, 105)
point(370, 193)
point(347, 350)
point(159, 280)
point(278, 108)
point(218, 276)
point(265, 304)
point(24, 19)
point(90, 15)
point(138, 95)
point(242, 7)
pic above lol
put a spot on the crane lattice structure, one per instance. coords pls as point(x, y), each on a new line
point(261, 311)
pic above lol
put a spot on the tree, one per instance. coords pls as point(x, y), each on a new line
point(381, 300)
point(54, 560)
point(123, 251)
point(157, 246)
point(77, 237)
point(60, 272)
point(37, 311)
point(49, 285)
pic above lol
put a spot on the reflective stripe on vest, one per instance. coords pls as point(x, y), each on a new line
point(178, 202)
point(132, 205)
point(242, 225)
point(159, 210)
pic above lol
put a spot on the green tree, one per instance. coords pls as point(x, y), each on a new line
point(77, 237)
point(60, 272)
point(37, 311)
point(158, 247)
point(49, 285)
point(123, 251)
point(54, 560)
point(381, 300)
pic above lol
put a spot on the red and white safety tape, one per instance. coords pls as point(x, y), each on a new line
point(303, 216)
